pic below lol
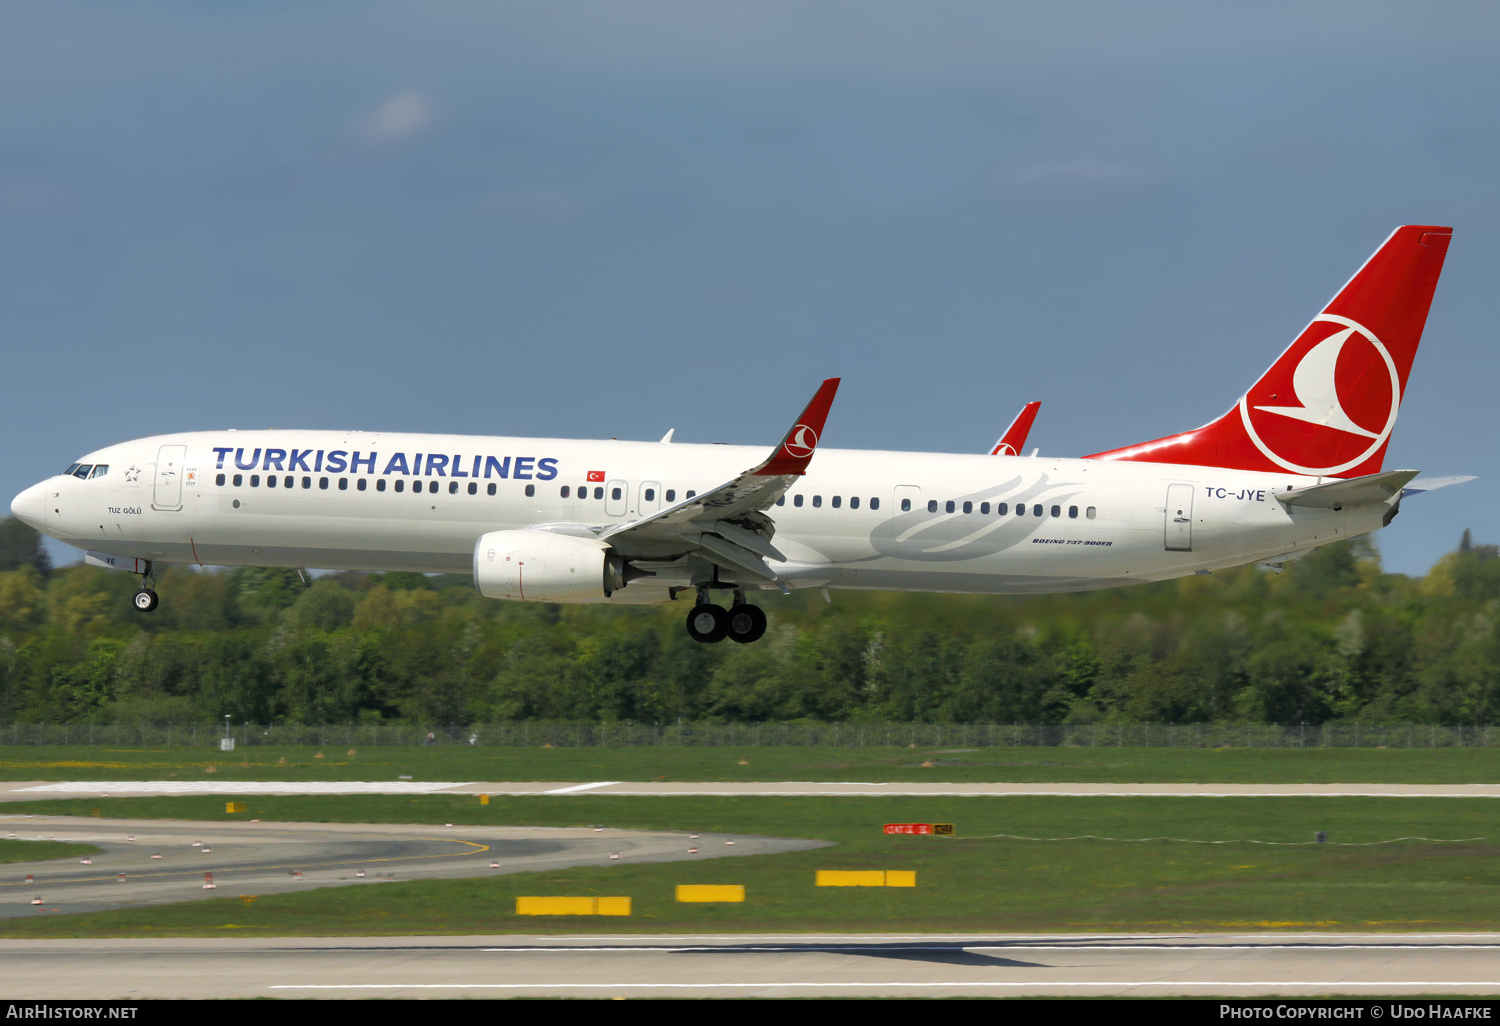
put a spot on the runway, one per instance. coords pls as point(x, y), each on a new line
point(262, 858)
point(34, 790)
point(759, 966)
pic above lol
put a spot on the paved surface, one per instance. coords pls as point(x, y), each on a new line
point(761, 966)
point(259, 858)
point(33, 790)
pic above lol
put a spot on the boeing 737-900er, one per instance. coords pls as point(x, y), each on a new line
point(1295, 464)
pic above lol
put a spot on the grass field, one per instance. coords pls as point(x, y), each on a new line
point(974, 882)
point(27, 851)
point(457, 763)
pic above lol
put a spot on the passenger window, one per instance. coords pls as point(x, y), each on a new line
point(671, 494)
point(1057, 511)
point(984, 507)
point(380, 484)
point(854, 502)
point(270, 480)
point(1091, 512)
point(219, 480)
point(690, 493)
point(564, 491)
point(288, 481)
point(473, 488)
point(1072, 512)
point(817, 501)
point(306, 482)
point(650, 494)
point(100, 470)
point(491, 489)
point(1002, 508)
point(400, 485)
point(875, 503)
point(531, 490)
point(614, 493)
point(796, 500)
point(950, 506)
point(837, 501)
point(239, 479)
point(343, 484)
point(906, 505)
point(932, 505)
point(1020, 509)
point(360, 484)
point(432, 486)
point(322, 483)
point(1036, 510)
point(452, 487)
point(254, 480)
point(598, 493)
point(968, 507)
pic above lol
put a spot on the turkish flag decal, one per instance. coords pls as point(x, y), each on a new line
point(596, 475)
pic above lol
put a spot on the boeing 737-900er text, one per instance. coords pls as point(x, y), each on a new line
point(1295, 464)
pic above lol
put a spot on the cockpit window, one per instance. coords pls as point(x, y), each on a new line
point(100, 469)
point(71, 467)
point(82, 471)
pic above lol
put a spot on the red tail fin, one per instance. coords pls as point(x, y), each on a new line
point(1014, 439)
point(1328, 404)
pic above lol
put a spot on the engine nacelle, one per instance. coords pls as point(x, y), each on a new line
point(539, 566)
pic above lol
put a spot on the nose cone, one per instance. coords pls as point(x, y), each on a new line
point(30, 507)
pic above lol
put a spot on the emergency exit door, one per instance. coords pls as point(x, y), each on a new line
point(167, 493)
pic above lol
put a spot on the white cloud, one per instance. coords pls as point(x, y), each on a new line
point(400, 117)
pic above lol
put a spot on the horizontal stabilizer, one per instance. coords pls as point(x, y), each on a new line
point(1432, 484)
point(1358, 491)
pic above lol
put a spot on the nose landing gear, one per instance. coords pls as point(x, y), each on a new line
point(145, 600)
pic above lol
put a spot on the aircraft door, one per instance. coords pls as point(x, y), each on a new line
point(1178, 529)
point(616, 498)
point(168, 490)
point(907, 499)
point(650, 498)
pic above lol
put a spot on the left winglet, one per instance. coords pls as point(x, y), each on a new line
point(1014, 439)
point(794, 453)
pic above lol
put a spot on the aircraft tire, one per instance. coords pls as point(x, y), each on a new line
point(145, 600)
point(708, 624)
point(747, 623)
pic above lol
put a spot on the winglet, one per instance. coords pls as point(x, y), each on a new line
point(796, 449)
point(1014, 438)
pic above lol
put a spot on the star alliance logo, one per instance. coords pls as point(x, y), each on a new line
point(133, 474)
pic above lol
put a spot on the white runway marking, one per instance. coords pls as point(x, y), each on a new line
point(576, 788)
point(877, 985)
point(136, 787)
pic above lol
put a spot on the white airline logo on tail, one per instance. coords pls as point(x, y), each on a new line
point(1315, 386)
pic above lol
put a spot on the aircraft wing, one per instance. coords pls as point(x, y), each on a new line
point(1014, 439)
point(726, 525)
point(1356, 491)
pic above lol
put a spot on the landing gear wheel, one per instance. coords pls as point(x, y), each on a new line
point(708, 623)
point(145, 600)
point(747, 623)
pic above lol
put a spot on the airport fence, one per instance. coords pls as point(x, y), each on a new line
point(536, 734)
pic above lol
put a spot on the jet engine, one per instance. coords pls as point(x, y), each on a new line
point(540, 566)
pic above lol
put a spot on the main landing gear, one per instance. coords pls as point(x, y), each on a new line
point(145, 600)
point(741, 622)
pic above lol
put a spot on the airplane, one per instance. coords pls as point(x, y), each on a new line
point(1296, 463)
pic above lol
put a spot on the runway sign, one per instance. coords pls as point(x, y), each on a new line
point(565, 906)
point(919, 829)
point(867, 878)
point(234, 806)
point(710, 892)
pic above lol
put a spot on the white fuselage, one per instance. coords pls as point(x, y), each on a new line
point(857, 519)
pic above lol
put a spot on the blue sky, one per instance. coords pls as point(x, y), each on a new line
point(608, 219)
